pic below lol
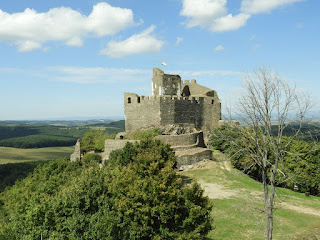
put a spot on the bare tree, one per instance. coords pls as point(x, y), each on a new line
point(268, 100)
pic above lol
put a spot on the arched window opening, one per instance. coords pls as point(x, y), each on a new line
point(129, 99)
point(138, 99)
point(212, 101)
point(186, 91)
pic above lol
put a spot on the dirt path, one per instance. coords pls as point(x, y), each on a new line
point(300, 209)
point(226, 164)
point(218, 191)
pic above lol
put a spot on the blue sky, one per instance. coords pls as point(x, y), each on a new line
point(71, 58)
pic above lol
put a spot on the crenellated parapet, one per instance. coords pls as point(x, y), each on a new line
point(173, 101)
point(132, 98)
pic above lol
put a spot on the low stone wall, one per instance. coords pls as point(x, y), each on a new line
point(192, 156)
point(114, 144)
point(189, 148)
point(183, 139)
point(76, 155)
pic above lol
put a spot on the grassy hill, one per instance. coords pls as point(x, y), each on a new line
point(237, 201)
point(238, 206)
point(19, 134)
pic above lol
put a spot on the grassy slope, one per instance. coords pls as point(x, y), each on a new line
point(240, 216)
point(13, 155)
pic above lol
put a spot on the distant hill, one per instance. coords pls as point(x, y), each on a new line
point(52, 133)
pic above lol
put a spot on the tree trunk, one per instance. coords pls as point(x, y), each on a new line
point(269, 220)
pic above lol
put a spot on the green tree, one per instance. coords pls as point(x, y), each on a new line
point(93, 141)
point(137, 195)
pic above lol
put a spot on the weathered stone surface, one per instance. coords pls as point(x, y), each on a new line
point(114, 144)
point(76, 155)
point(189, 148)
point(173, 102)
point(183, 139)
point(120, 135)
point(192, 156)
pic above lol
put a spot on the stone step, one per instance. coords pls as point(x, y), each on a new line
point(183, 147)
point(192, 156)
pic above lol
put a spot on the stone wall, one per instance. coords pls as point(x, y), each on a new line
point(146, 112)
point(113, 144)
point(189, 148)
point(141, 111)
point(192, 156)
point(76, 155)
point(165, 84)
point(183, 139)
point(173, 102)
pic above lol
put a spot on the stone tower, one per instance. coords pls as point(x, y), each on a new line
point(165, 84)
point(173, 102)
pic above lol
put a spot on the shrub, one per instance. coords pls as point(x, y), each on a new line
point(92, 141)
point(145, 135)
point(137, 195)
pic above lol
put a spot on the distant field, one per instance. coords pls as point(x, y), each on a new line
point(14, 155)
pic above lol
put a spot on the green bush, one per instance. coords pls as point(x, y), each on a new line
point(302, 169)
point(12, 172)
point(92, 141)
point(137, 195)
point(145, 135)
point(91, 159)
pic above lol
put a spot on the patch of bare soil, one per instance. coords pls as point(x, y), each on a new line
point(205, 164)
point(216, 191)
point(226, 165)
point(301, 209)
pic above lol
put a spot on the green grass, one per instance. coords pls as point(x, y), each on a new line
point(14, 155)
point(241, 215)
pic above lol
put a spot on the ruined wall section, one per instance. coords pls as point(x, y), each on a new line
point(188, 111)
point(207, 113)
point(141, 111)
point(167, 110)
point(165, 84)
point(181, 110)
point(194, 105)
point(216, 115)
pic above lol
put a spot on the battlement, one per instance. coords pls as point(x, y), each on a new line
point(193, 81)
point(131, 98)
point(173, 101)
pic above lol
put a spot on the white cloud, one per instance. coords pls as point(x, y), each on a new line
point(179, 40)
point(219, 48)
point(30, 29)
point(136, 44)
point(229, 22)
point(97, 74)
point(83, 75)
point(203, 12)
point(263, 6)
point(213, 14)
point(25, 46)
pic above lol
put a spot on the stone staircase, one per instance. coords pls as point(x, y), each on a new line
point(189, 148)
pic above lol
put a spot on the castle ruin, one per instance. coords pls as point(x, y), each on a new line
point(173, 102)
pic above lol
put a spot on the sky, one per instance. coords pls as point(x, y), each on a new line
point(70, 59)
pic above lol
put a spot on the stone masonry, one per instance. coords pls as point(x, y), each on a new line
point(180, 105)
point(173, 101)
